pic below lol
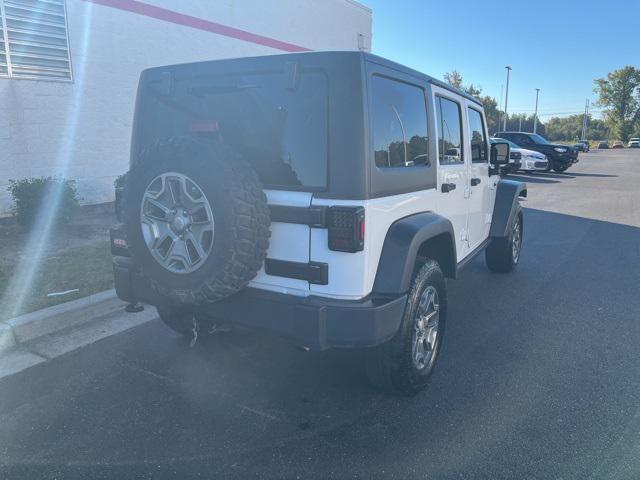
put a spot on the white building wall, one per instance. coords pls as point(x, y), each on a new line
point(81, 130)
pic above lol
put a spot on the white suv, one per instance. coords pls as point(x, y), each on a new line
point(528, 160)
point(324, 196)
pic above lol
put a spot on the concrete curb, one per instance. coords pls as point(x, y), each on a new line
point(30, 326)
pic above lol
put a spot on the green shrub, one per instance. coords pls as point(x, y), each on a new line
point(119, 181)
point(34, 195)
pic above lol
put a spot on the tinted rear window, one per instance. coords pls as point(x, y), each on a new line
point(279, 127)
point(399, 124)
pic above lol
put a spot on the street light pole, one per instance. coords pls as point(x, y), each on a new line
point(500, 106)
point(584, 120)
point(535, 115)
point(506, 99)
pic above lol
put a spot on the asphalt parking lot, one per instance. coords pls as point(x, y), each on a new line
point(539, 376)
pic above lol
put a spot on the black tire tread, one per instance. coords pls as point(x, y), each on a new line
point(249, 211)
point(388, 365)
point(498, 255)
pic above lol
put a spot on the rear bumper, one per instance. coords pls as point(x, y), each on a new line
point(316, 322)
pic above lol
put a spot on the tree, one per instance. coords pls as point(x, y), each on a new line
point(564, 128)
point(597, 129)
point(454, 78)
point(492, 113)
point(569, 128)
point(619, 93)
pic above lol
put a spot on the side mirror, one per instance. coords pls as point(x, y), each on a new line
point(499, 153)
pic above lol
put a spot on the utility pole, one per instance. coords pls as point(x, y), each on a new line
point(506, 99)
point(535, 115)
point(584, 120)
point(520, 125)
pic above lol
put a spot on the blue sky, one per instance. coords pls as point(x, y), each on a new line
point(558, 46)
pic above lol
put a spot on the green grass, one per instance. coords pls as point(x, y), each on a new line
point(87, 268)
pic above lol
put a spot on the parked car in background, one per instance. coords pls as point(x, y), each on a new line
point(560, 157)
point(515, 157)
point(634, 143)
point(582, 146)
point(603, 145)
point(617, 144)
point(529, 160)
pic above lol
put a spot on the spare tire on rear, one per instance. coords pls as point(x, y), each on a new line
point(197, 219)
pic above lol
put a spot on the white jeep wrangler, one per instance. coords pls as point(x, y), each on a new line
point(324, 196)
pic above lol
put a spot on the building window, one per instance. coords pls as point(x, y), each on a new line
point(34, 41)
point(399, 124)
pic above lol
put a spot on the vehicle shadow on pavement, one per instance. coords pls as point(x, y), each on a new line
point(598, 175)
point(560, 176)
point(530, 179)
point(538, 371)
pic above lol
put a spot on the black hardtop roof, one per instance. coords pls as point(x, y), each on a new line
point(363, 55)
point(410, 71)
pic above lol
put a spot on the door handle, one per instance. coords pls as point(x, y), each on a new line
point(475, 181)
point(447, 187)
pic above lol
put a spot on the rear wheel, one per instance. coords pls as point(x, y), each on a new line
point(503, 254)
point(405, 363)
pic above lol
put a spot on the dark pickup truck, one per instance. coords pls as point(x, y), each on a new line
point(560, 157)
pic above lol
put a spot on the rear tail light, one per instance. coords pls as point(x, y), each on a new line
point(346, 229)
point(119, 243)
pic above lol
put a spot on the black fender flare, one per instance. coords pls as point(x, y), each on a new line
point(400, 250)
point(506, 207)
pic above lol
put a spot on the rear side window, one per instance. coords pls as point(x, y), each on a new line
point(449, 119)
point(478, 138)
point(399, 124)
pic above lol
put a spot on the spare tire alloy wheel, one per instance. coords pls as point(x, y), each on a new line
point(197, 220)
point(177, 222)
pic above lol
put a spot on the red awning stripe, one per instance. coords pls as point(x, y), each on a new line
point(171, 16)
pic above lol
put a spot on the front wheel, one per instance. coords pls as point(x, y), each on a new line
point(503, 254)
point(560, 168)
point(404, 363)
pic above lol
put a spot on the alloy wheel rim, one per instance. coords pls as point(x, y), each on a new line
point(177, 222)
point(426, 328)
point(516, 241)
